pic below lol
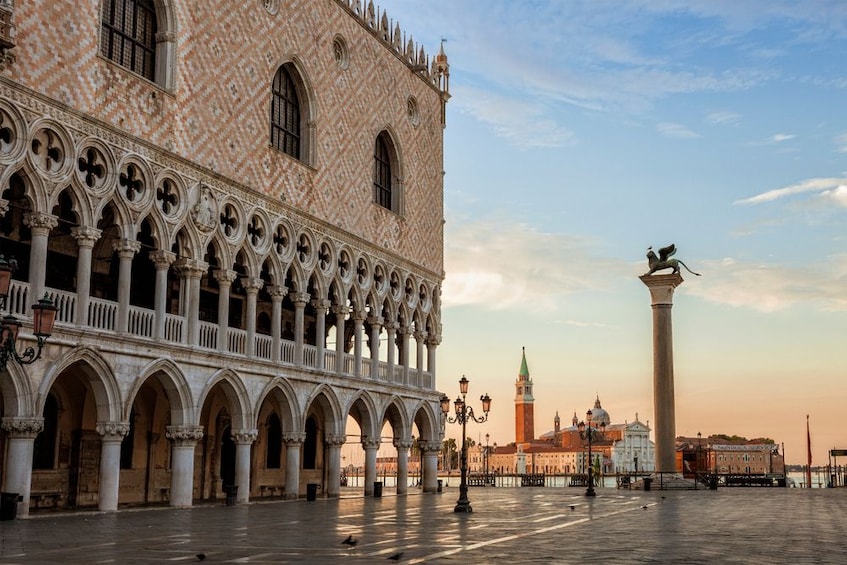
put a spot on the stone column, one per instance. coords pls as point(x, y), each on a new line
point(243, 440)
point(403, 333)
point(661, 293)
point(432, 343)
point(277, 294)
point(430, 450)
point(391, 333)
point(420, 338)
point(376, 326)
point(293, 442)
point(340, 314)
point(184, 440)
point(252, 286)
point(192, 270)
point(40, 225)
point(126, 250)
point(19, 449)
point(358, 325)
point(321, 306)
point(111, 436)
point(224, 278)
point(85, 238)
point(300, 299)
point(162, 260)
point(403, 447)
point(333, 464)
point(371, 446)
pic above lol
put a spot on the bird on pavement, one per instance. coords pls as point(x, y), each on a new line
point(201, 556)
point(350, 541)
point(397, 556)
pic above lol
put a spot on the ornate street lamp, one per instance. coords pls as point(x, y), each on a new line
point(43, 317)
point(485, 481)
point(590, 433)
point(463, 414)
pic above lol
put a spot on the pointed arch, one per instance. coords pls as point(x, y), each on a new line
point(99, 375)
point(292, 112)
point(236, 393)
point(327, 400)
point(176, 387)
point(395, 413)
point(281, 390)
point(16, 392)
point(428, 420)
point(363, 408)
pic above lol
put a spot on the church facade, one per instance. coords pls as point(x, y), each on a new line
point(240, 221)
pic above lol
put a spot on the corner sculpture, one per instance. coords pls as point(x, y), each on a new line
point(663, 261)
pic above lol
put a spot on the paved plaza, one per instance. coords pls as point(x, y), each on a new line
point(508, 525)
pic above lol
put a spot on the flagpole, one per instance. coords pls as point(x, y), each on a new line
point(808, 454)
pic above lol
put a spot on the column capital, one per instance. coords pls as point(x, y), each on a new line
point(420, 335)
point(252, 284)
point(429, 446)
point(299, 298)
point(191, 268)
point(184, 435)
point(86, 236)
point(293, 438)
point(244, 436)
point(370, 443)
point(358, 316)
point(112, 431)
point(126, 248)
point(403, 444)
point(39, 221)
point(661, 287)
point(277, 292)
point(376, 320)
point(341, 310)
point(335, 439)
point(433, 339)
point(22, 427)
point(321, 304)
point(404, 330)
point(161, 258)
point(224, 276)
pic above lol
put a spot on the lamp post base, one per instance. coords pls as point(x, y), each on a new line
point(464, 506)
point(590, 492)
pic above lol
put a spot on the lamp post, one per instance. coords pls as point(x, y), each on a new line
point(485, 461)
point(590, 433)
point(43, 317)
point(463, 414)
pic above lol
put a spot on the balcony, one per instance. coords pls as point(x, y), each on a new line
point(102, 315)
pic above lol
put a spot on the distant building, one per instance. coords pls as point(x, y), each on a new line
point(723, 456)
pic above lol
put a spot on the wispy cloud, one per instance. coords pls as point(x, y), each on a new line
point(833, 188)
point(496, 264)
point(676, 131)
point(724, 118)
point(770, 288)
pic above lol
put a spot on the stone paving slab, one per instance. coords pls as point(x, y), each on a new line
point(508, 525)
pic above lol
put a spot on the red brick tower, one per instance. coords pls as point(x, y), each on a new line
point(524, 403)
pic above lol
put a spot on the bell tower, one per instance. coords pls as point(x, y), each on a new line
point(524, 405)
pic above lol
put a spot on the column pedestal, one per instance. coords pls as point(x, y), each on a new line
point(661, 289)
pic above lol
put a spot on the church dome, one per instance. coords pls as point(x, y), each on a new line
point(598, 415)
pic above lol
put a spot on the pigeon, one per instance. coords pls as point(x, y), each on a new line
point(572, 506)
point(396, 556)
point(201, 556)
point(644, 507)
point(350, 541)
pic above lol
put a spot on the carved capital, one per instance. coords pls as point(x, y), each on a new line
point(224, 276)
point(376, 320)
point(293, 439)
point(112, 431)
point(244, 436)
point(127, 248)
point(321, 304)
point(341, 310)
point(184, 435)
point(191, 268)
point(277, 292)
point(420, 336)
point(86, 236)
point(335, 439)
point(299, 299)
point(40, 222)
point(433, 339)
point(162, 259)
point(23, 427)
point(370, 443)
point(661, 287)
point(429, 446)
point(252, 284)
point(403, 444)
point(358, 316)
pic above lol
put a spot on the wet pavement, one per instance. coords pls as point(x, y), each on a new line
point(508, 525)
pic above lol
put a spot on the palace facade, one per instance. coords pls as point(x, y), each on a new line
point(238, 209)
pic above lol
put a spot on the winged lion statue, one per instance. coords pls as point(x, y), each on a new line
point(664, 260)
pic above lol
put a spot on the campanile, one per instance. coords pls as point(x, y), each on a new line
point(524, 413)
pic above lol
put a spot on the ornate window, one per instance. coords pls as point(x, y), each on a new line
point(382, 172)
point(128, 35)
point(285, 114)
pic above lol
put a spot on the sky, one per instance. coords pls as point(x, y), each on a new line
point(581, 132)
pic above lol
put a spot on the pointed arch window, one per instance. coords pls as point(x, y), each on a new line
point(285, 114)
point(383, 189)
point(128, 35)
point(273, 450)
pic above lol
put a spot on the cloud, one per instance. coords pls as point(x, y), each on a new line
point(525, 124)
point(780, 137)
point(497, 264)
point(676, 131)
point(724, 118)
point(831, 187)
point(841, 143)
point(771, 288)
